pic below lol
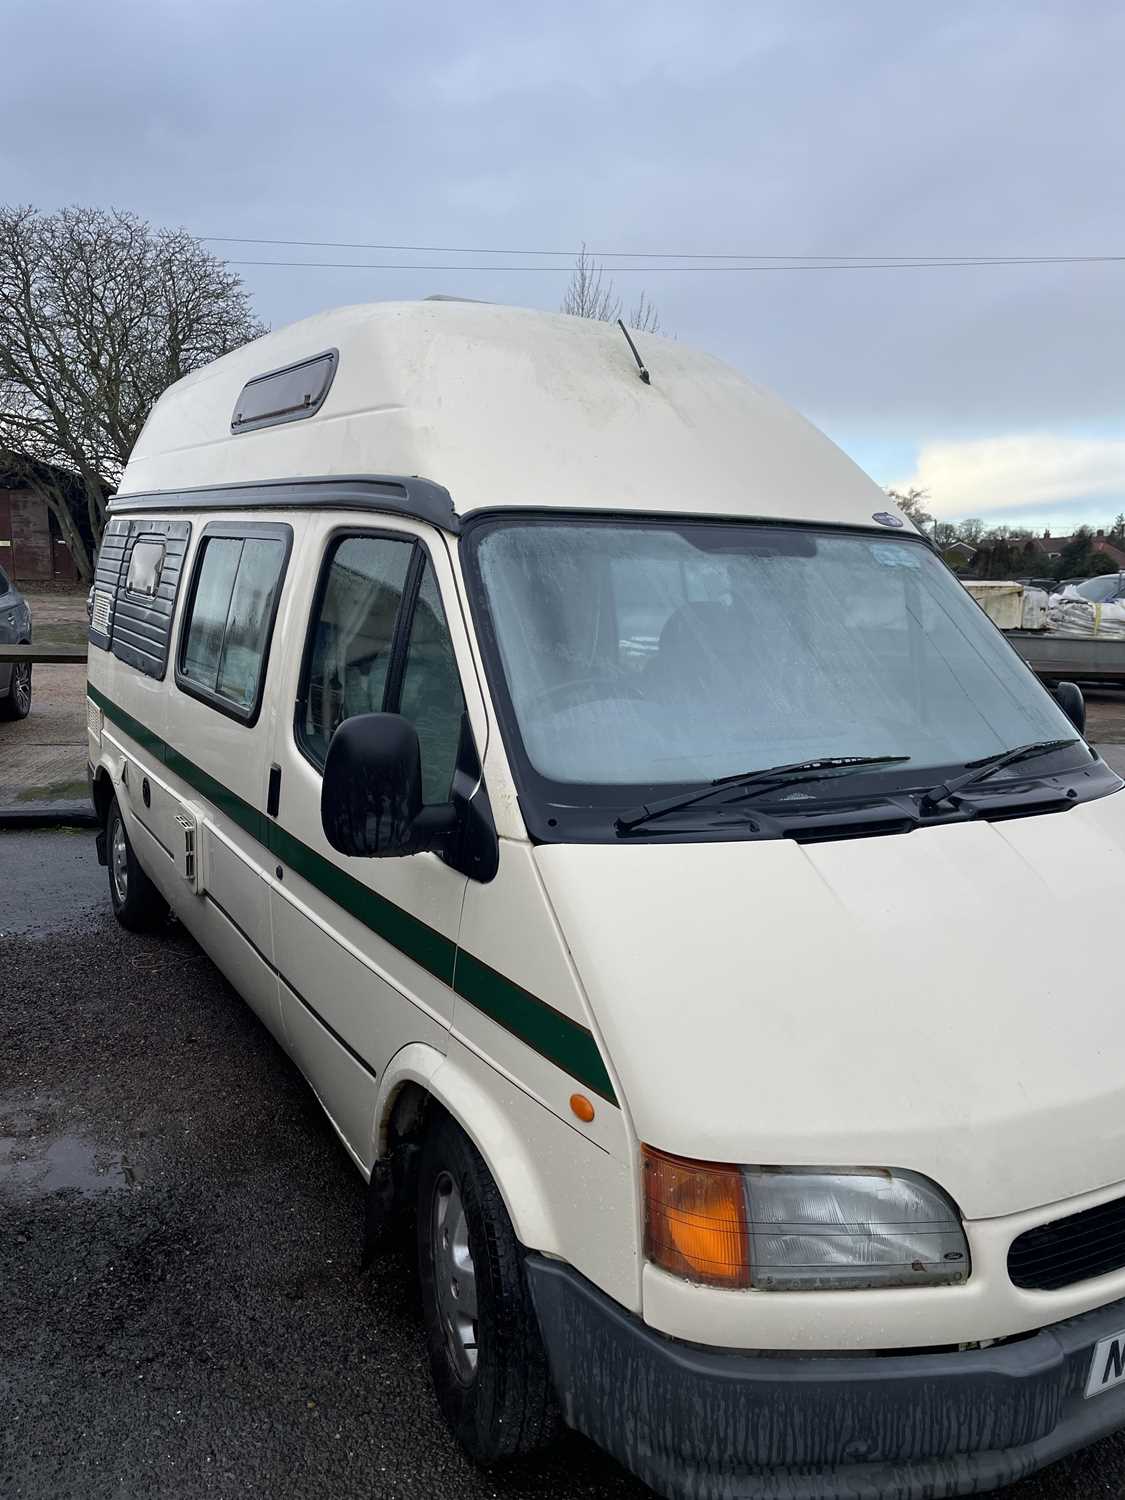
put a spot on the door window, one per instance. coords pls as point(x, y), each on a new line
point(379, 643)
point(230, 618)
point(431, 691)
point(351, 636)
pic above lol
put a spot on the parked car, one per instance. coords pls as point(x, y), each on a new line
point(1108, 588)
point(635, 833)
point(15, 630)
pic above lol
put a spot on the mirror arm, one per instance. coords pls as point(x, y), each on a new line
point(435, 827)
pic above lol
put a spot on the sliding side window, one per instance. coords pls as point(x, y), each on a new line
point(225, 638)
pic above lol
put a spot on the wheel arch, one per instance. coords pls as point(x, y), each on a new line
point(419, 1079)
point(101, 790)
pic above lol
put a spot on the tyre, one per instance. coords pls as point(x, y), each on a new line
point(137, 904)
point(16, 702)
point(486, 1355)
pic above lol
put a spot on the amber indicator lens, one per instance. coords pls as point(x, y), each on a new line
point(695, 1219)
point(582, 1107)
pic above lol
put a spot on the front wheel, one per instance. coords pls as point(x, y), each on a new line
point(486, 1355)
point(16, 702)
point(137, 904)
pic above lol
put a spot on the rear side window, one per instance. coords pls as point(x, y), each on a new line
point(4, 584)
point(225, 637)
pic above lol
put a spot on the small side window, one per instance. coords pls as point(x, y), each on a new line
point(4, 584)
point(145, 567)
point(229, 619)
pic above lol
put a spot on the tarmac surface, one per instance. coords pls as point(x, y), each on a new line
point(182, 1308)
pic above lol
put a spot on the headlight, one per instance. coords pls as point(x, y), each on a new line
point(815, 1229)
point(800, 1228)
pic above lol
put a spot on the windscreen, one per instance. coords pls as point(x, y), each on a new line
point(672, 653)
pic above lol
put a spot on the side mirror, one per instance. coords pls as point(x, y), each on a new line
point(1072, 703)
point(371, 795)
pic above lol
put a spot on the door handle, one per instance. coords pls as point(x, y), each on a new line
point(273, 794)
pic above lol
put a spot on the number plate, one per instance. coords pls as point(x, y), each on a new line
point(1107, 1368)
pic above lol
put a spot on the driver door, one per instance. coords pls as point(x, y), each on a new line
point(364, 947)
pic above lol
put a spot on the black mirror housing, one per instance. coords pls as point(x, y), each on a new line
point(1069, 698)
point(371, 795)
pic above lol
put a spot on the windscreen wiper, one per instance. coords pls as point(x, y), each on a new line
point(982, 768)
point(801, 770)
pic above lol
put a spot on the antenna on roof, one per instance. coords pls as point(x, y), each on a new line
point(636, 356)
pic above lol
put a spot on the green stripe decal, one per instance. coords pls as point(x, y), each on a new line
point(132, 727)
point(224, 799)
point(541, 1026)
point(433, 950)
point(547, 1031)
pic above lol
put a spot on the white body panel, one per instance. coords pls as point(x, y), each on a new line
point(846, 1002)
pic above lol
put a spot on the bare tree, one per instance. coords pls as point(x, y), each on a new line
point(644, 316)
point(912, 503)
point(591, 294)
point(98, 314)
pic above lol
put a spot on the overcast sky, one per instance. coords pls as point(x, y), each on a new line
point(847, 128)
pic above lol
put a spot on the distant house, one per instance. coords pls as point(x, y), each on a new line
point(959, 554)
point(32, 549)
point(1052, 547)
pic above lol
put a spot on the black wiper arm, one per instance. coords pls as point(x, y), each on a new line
point(981, 769)
point(800, 770)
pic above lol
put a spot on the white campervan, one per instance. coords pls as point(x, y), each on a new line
point(684, 902)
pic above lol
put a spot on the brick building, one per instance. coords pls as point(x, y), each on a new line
point(32, 549)
point(1052, 546)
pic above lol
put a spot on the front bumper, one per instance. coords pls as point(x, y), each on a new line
point(698, 1423)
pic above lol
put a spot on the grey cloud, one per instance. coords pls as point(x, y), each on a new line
point(818, 128)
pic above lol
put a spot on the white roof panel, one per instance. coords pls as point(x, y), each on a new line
point(508, 407)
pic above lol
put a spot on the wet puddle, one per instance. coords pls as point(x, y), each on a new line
point(36, 1159)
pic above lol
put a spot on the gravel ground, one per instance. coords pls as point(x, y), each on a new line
point(183, 1309)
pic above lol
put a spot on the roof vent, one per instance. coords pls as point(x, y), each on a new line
point(285, 395)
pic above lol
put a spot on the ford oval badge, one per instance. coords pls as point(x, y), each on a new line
point(885, 518)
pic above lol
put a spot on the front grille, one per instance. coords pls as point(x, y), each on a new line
point(1054, 1255)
